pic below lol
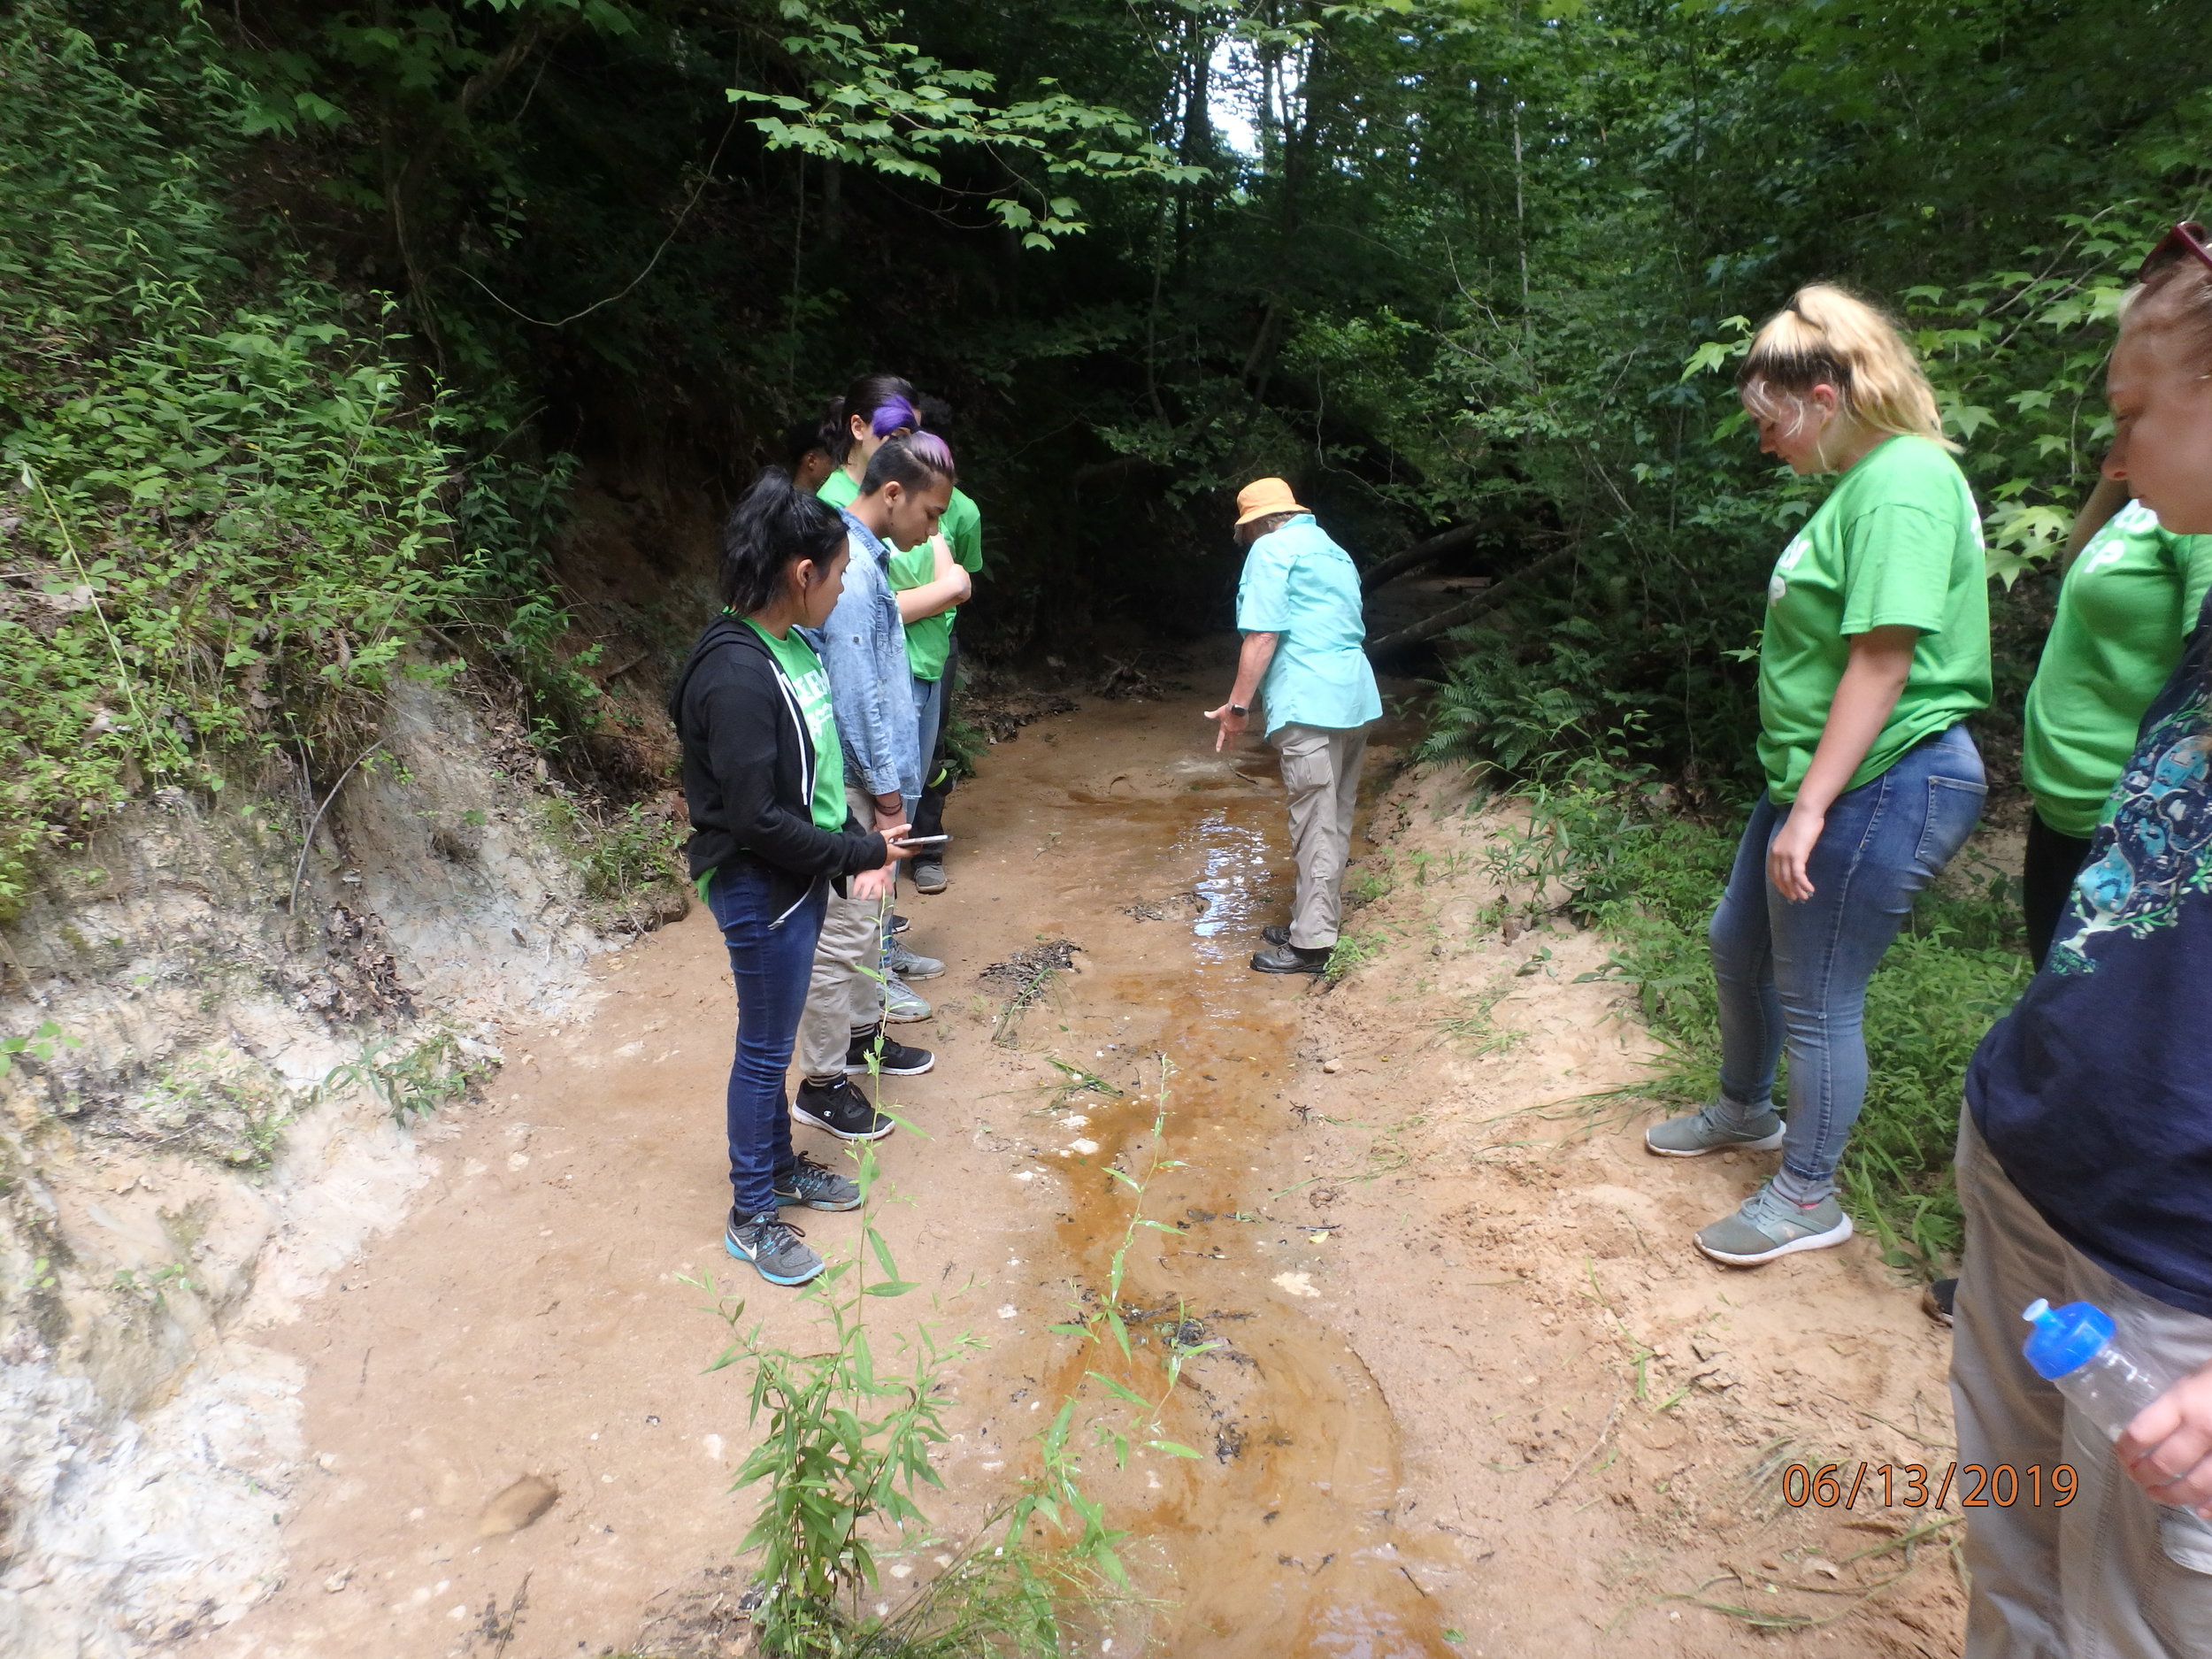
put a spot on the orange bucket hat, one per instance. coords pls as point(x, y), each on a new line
point(1262, 497)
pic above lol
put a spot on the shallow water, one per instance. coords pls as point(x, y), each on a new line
point(1280, 1541)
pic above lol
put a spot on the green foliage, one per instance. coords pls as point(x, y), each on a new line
point(229, 520)
point(883, 104)
point(413, 1081)
point(620, 854)
point(41, 1044)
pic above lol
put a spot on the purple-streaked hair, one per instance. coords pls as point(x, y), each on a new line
point(894, 415)
point(914, 462)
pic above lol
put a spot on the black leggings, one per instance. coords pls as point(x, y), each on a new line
point(2052, 861)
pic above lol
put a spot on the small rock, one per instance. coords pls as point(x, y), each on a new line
point(338, 1580)
point(518, 1507)
point(1826, 1570)
point(1332, 1066)
point(326, 1460)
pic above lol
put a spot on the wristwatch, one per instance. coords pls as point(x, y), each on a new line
point(1238, 710)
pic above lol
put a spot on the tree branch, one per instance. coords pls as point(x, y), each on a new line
point(1420, 553)
point(1458, 616)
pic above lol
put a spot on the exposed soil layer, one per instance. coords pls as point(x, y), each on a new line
point(1474, 1393)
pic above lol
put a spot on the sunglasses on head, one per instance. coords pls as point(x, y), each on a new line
point(2186, 240)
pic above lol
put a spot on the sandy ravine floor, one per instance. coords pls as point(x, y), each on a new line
point(1474, 1395)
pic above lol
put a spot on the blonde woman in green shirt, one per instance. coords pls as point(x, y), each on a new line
point(2127, 603)
point(1876, 648)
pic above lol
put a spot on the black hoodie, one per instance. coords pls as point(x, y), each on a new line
point(748, 769)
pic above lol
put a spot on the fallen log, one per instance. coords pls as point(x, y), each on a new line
point(1420, 554)
point(1443, 621)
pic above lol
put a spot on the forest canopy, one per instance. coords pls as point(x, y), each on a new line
point(313, 316)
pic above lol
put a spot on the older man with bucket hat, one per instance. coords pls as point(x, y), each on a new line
point(1298, 607)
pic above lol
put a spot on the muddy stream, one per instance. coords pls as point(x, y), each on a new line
point(529, 1318)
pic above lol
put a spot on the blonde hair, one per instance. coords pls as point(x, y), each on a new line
point(1828, 334)
point(2175, 299)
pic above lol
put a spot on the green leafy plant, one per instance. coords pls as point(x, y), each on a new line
point(40, 1044)
point(412, 1081)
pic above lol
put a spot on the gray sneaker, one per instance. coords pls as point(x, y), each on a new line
point(815, 1186)
point(776, 1248)
point(908, 965)
point(1692, 1137)
point(901, 1006)
point(1769, 1225)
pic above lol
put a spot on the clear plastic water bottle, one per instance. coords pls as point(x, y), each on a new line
point(2072, 1347)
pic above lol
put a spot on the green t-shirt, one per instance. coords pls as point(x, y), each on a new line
point(803, 669)
point(2123, 610)
point(1898, 543)
point(929, 640)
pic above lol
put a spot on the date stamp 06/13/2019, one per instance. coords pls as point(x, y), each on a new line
point(1920, 1485)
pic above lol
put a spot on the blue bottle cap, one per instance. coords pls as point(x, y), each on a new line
point(2065, 1339)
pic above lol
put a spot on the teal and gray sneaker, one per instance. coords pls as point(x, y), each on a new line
point(815, 1186)
point(1769, 1225)
point(1692, 1137)
point(773, 1245)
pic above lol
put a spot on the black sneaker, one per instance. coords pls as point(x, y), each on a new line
point(813, 1185)
point(1290, 959)
point(1936, 1300)
point(898, 1059)
point(840, 1108)
point(1276, 933)
point(900, 924)
point(773, 1245)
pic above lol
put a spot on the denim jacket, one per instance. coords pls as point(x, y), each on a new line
point(863, 646)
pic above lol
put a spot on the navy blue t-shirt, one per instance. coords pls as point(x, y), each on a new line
point(2095, 1092)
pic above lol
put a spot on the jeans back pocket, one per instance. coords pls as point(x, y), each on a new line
point(1955, 806)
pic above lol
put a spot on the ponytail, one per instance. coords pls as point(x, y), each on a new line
point(885, 402)
point(773, 526)
point(914, 462)
point(1828, 335)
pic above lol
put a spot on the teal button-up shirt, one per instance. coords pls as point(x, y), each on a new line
point(1301, 587)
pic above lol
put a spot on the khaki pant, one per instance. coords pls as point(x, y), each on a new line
point(1321, 772)
point(846, 994)
point(2101, 1577)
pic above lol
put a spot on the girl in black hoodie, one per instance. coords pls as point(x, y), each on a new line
point(765, 778)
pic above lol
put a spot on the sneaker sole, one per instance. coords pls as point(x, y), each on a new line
point(895, 1017)
point(792, 1201)
point(942, 883)
point(862, 1069)
point(1834, 1236)
point(730, 1245)
point(936, 973)
point(1764, 1143)
point(806, 1116)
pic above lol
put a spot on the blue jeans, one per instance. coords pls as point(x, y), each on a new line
point(1795, 974)
point(929, 714)
point(772, 961)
